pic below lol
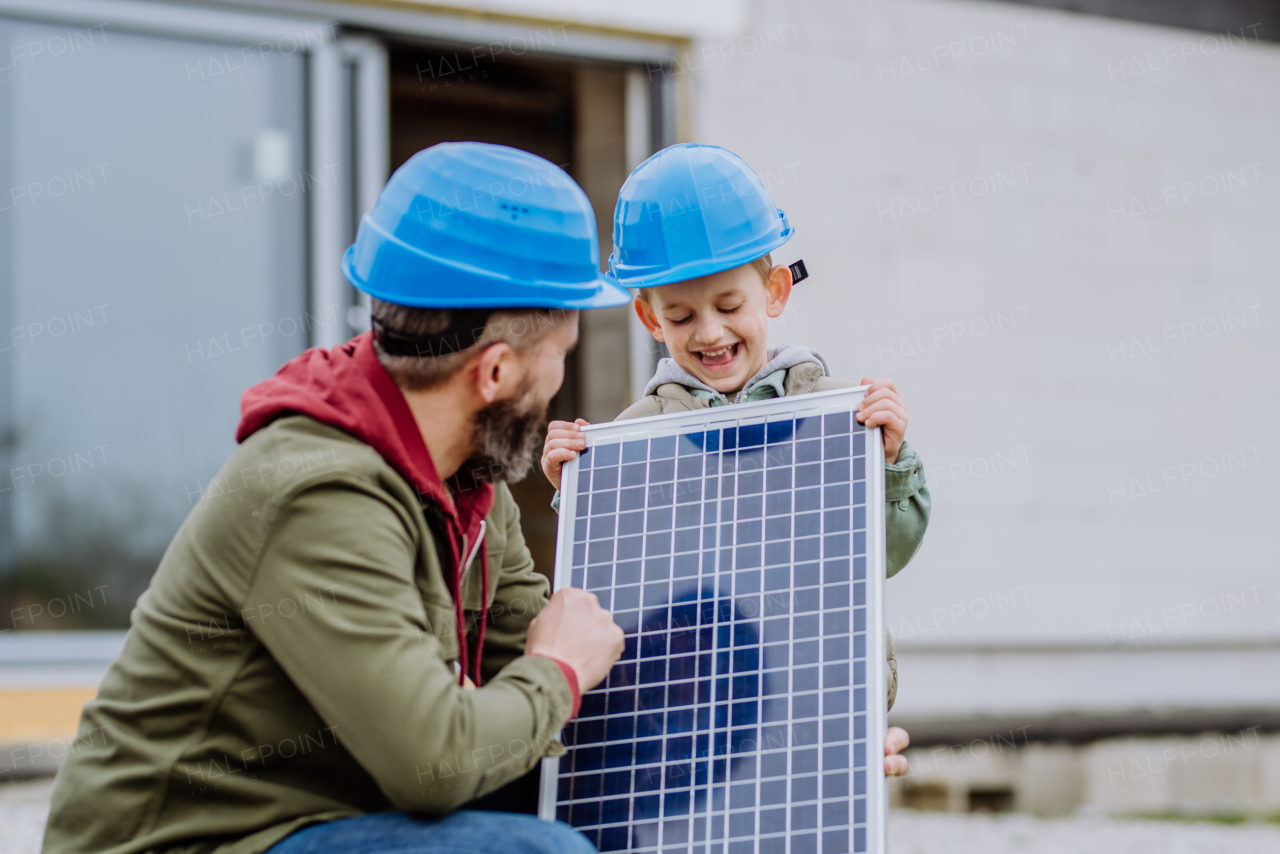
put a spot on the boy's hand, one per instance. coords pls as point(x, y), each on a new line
point(881, 407)
point(895, 741)
point(562, 444)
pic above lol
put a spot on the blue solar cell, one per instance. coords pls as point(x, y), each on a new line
point(734, 556)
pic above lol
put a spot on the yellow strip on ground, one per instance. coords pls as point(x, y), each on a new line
point(39, 714)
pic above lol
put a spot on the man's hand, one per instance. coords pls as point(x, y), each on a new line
point(564, 441)
point(880, 407)
point(573, 628)
point(895, 741)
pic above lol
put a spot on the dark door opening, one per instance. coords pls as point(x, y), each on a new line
point(573, 114)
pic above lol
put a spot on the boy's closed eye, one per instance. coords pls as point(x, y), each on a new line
point(683, 319)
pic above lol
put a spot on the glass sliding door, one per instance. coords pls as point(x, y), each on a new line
point(153, 265)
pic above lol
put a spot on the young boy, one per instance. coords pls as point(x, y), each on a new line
point(693, 230)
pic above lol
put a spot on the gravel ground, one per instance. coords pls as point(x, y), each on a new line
point(1012, 833)
point(23, 806)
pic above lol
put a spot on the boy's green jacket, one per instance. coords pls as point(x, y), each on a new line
point(793, 370)
point(292, 660)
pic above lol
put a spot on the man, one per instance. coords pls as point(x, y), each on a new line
point(346, 641)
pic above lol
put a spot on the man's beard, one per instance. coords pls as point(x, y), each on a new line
point(507, 433)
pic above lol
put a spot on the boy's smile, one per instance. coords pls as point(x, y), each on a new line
point(716, 326)
point(721, 359)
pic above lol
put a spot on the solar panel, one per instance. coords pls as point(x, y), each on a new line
point(741, 550)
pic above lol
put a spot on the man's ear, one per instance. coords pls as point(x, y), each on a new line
point(497, 372)
point(648, 317)
point(779, 288)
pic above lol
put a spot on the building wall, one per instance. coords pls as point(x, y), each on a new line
point(1055, 232)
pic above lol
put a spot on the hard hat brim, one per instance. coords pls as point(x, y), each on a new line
point(633, 278)
point(401, 267)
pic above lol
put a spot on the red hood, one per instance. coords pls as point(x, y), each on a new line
point(347, 388)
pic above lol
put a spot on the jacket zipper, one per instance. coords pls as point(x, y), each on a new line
point(475, 550)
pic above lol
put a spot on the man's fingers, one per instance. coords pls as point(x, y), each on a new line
point(896, 766)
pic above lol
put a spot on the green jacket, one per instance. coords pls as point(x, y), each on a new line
point(292, 663)
point(907, 500)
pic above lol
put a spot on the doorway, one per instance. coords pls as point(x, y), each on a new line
point(574, 113)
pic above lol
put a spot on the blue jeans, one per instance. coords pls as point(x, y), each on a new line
point(462, 832)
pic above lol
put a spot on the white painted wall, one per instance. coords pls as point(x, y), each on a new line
point(1062, 347)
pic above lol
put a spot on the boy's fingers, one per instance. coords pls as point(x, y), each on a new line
point(882, 412)
point(883, 404)
point(877, 384)
point(879, 394)
point(565, 436)
point(896, 740)
point(582, 422)
point(886, 422)
point(896, 766)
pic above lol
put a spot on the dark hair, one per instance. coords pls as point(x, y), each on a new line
point(522, 328)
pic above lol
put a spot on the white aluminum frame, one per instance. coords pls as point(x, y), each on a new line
point(372, 118)
point(177, 20)
point(877, 678)
point(464, 27)
point(327, 56)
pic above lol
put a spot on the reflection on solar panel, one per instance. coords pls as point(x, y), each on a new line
point(741, 549)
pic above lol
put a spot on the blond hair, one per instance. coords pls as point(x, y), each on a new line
point(762, 265)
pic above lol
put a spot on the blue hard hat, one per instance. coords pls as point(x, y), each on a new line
point(688, 211)
point(474, 225)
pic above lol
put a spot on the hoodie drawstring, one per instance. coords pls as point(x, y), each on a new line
point(484, 611)
point(464, 564)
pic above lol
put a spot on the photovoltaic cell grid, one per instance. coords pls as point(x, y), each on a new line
point(746, 713)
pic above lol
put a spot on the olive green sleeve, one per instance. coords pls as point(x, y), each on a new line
point(372, 668)
point(521, 593)
point(906, 508)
